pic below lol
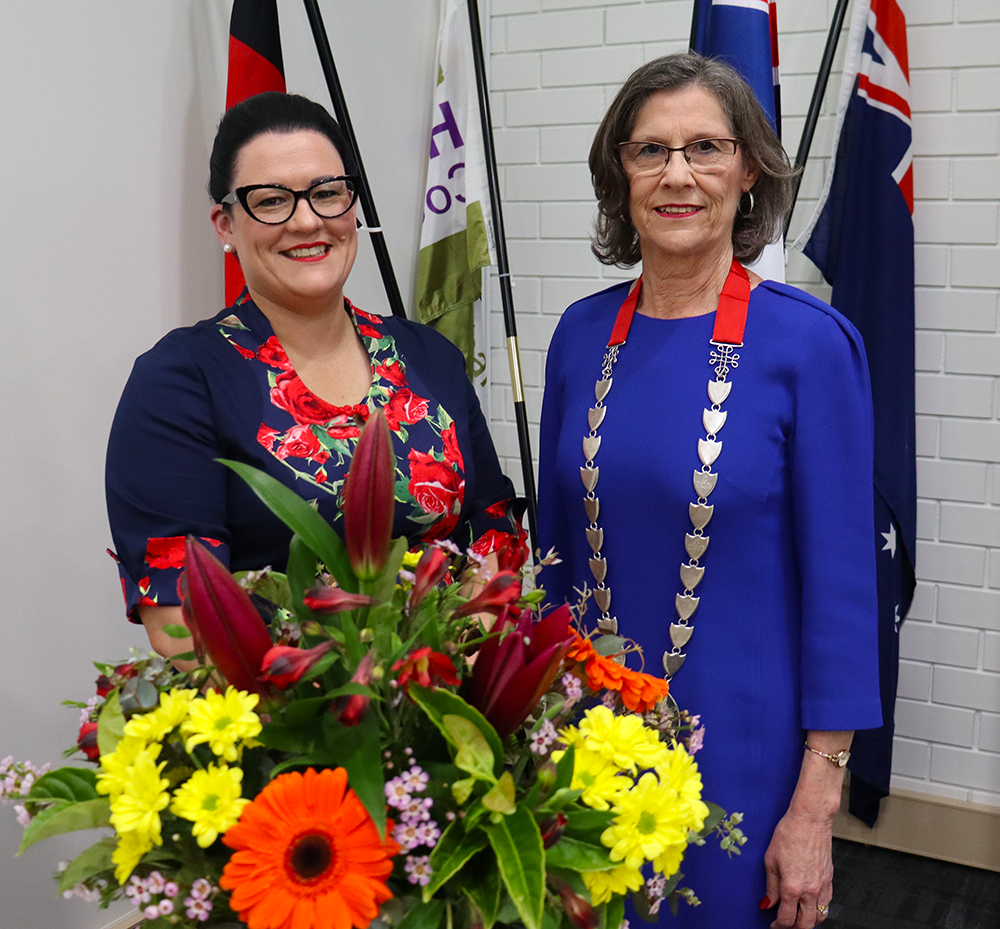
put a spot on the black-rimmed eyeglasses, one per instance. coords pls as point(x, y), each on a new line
point(706, 156)
point(273, 204)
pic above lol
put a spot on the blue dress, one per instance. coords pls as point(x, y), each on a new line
point(224, 388)
point(785, 635)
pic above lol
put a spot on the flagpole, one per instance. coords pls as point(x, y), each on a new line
point(506, 294)
point(822, 78)
point(694, 26)
point(344, 118)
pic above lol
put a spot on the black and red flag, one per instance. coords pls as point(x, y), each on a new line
point(255, 65)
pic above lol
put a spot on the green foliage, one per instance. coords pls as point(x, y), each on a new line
point(578, 856)
point(453, 850)
point(88, 863)
point(66, 816)
point(70, 784)
point(425, 915)
point(176, 631)
point(110, 724)
point(521, 857)
point(439, 703)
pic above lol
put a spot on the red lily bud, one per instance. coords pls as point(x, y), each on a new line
point(503, 589)
point(222, 620)
point(284, 666)
point(329, 600)
point(104, 685)
point(552, 829)
point(430, 571)
point(581, 914)
point(370, 499)
point(87, 741)
point(350, 710)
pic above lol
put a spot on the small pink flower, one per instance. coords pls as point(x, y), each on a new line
point(418, 869)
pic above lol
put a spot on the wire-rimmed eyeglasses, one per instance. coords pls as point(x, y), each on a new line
point(274, 204)
point(706, 156)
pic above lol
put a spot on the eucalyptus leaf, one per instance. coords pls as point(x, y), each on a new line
point(608, 644)
point(72, 784)
point(453, 850)
point(138, 694)
point(66, 817)
point(93, 861)
point(301, 518)
point(110, 724)
point(521, 857)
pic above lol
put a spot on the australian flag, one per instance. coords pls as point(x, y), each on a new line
point(862, 240)
point(744, 34)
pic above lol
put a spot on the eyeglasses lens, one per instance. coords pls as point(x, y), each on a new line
point(275, 204)
point(706, 156)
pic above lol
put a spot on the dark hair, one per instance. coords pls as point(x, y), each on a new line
point(271, 111)
point(615, 241)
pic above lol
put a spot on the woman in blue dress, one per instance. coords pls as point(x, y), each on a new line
point(284, 379)
point(706, 470)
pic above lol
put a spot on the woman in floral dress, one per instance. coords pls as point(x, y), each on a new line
point(284, 379)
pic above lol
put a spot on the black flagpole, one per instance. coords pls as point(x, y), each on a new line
point(822, 77)
point(694, 26)
point(507, 296)
point(344, 118)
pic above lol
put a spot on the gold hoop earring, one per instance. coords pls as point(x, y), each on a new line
point(739, 206)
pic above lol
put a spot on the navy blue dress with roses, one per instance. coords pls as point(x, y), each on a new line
point(224, 388)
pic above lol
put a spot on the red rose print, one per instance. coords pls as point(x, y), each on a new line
point(291, 395)
point(169, 552)
point(497, 510)
point(452, 452)
point(345, 430)
point(434, 484)
point(272, 353)
point(245, 352)
point(369, 316)
point(301, 442)
point(393, 372)
point(266, 436)
point(370, 331)
point(405, 406)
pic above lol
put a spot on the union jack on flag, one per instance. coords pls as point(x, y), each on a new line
point(861, 238)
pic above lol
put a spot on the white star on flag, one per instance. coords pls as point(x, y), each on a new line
point(890, 540)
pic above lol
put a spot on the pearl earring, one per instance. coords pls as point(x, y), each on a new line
point(228, 249)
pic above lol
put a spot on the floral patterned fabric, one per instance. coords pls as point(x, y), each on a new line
point(225, 388)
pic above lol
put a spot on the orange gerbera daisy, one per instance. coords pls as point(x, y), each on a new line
point(307, 854)
point(639, 692)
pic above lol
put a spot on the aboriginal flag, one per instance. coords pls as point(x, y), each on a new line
point(861, 238)
point(255, 65)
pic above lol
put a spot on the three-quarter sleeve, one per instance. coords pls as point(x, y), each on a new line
point(832, 500)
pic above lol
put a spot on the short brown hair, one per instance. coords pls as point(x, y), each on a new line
point(615, 241)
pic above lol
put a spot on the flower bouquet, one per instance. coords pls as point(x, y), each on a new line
point(408, 740)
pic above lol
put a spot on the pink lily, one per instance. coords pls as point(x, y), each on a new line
point(502, 590)
point(284, 665)
point(224, 623)
point(370, 499)
point(512, 671)
point(430, 571)
point(329, 600)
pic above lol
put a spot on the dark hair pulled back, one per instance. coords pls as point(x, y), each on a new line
point(271, 111)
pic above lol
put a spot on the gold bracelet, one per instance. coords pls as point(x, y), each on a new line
point(840, 759)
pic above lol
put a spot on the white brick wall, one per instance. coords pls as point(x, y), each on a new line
point(555, 66)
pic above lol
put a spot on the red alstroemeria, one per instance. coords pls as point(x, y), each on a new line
point(223, 621)
point(427, 668)
point(517, 665)
point(330, 600)
point(502, 590)
point(86, 741)
point(370, 499)
point(351, 710)
point(429, 572)
point(284, 666)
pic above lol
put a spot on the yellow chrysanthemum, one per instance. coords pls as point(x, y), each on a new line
point(137, 807)
point(599, 779)
point(679, 771)
point(153, 726)
point(620, 880)
point(223, 721)
point(669, 860)
point(623, 740)
point(211, 800)
point(131, 848)
point(650, 818)
point(116, 765)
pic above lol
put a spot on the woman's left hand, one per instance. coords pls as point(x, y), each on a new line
point(799, 866)
point(799, 860)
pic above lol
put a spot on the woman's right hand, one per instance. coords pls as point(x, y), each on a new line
point(154, 618)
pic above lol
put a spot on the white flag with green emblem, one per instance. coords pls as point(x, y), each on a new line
point(456, 238)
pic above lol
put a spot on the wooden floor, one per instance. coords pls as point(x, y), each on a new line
point(875, 888)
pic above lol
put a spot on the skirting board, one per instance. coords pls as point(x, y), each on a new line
point(934, 827)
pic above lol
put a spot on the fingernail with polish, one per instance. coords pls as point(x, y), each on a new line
point(765, 903)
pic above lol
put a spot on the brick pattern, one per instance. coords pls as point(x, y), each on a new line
point(555, 66)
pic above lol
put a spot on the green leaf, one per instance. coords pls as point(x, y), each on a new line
point(358, 749)
point(473, 754)
point(564, 769)
point(93, 861)
point(715, 816)
point(423, 916)
point(461, 790)
point(613, 912)
point(384, 586)
point(607, 645)
point(110, 724)
point(521, 857)
point(480, 879)
point(561, 798)
point(453, 850)
point(66, 817)
point(301, 568)
point(578, 856)
point(176, 631)
point(272, 586)
point(301, 518)
point(71, 784)
point(438, 703)
point(500, 798)
point(588, 825)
